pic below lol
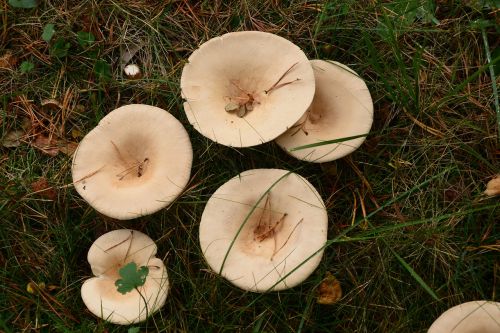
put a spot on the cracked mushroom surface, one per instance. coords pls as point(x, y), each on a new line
point(245, 88)
point(136, 161)
point(342, 107)
point(106, 256)
point(285, 230)
point(469, 317)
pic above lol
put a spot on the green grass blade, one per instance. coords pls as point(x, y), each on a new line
point(328, 142)
point(493, 79)
point(415, 275)
point(248, 217)
point(347, 230)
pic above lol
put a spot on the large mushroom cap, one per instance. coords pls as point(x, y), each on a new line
point(135, 162)
point(285, 230)
point(106, 256)
point(342, 107)
point(470, 317)
point(235, 70)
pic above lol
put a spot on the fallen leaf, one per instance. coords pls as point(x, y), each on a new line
point(46, 145)
point(231, 107)
point(493, 187)
point(26, 124)
point(76, 133)
point(13, 139)
point(68, 148)
point(329, 290)
point(128, 52)
point(48, 32)
point(242, 111)
point(51, 103)
point(34, 288)
point(42, 187)
point(8, 61)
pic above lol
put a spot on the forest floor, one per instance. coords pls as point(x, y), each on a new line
point(410, 231)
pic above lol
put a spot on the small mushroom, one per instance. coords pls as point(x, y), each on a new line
point(135, 162)
point(470, 317)
point(106, 256)
point(132, 71)
point(284, 234)
point(342, 107)
point(245, 88)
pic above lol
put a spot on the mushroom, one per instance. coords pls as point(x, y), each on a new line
point(135, 162)
point(278, 223)
point(470, 317)
point(132, 71)
point(342, 107)
point(106, 256)
point(246, 88)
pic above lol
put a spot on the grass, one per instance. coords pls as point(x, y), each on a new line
point(410, 233)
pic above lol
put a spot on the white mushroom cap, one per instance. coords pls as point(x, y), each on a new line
point(135, 162)
point(257, 263)
point(106, 256)
point(132, 71)
point(224, 69)
point(470, 317)
point(342, 107)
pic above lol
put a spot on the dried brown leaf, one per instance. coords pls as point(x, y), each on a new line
point(242, 111)
point(52, 104)
point(68, 148)
point(231, 107)
point(47, 145)
point(493, 187)
point(13, 139)
point(42, 187)
point(329, 291)
point(8, 61)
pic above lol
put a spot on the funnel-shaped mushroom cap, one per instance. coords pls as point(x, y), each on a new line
point(342, 107)
point(286, 229)
point(228, 87)
point(135, 162)
point(106, 256)
point(470, 317)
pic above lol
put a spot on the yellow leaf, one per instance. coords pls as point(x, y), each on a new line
point(329, 291)
point(34, 288)
point(493, 187)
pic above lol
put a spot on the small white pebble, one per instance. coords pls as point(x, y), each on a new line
point(132, 71)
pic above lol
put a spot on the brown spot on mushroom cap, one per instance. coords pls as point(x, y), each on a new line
point(258, 264)
point(342, 107)
point(135, 162)
point(233, 66)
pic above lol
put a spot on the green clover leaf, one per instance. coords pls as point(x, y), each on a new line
point(131, 277)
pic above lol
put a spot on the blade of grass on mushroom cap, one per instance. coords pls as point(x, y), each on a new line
point(247, 217)
point(347, 230)
point(328, 142)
